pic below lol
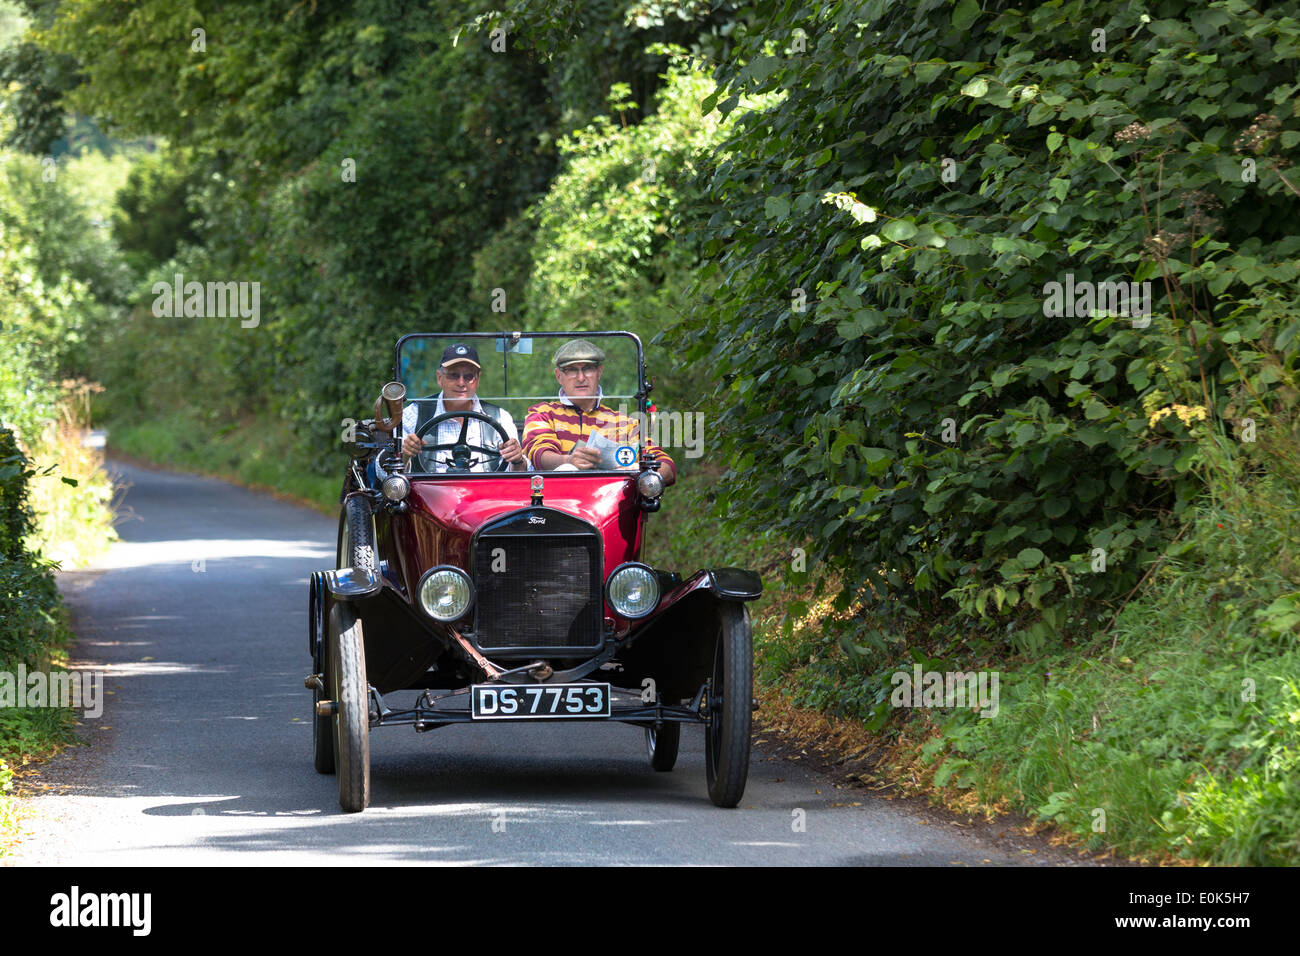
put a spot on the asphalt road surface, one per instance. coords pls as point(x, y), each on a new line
point(202, 756)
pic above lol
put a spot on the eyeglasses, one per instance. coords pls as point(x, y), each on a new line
point(461, 376)
point(580, 369)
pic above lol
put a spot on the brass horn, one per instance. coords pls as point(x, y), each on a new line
point(391, 397)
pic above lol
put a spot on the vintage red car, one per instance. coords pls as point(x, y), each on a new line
point(502, 592)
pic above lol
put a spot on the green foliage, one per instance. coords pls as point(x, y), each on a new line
point(505, 262)
point(26, 732)
point(8, 810)
point(589, 46)
point(351, 167)
point(1182, 728)
point(12, 23)
point(29, 600)
point(604, 227)
point(40, 119)
point(250, 453)
point(374, 179)
point(33, 81)
point(948, 444)
point(1176, 735)
point(685, 536)
point(16, 519)
point(60, 278)
point(884, 194)
point(152, 217)
point(55, 273)
point(609, 252)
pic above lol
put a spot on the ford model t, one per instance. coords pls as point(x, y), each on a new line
point(488, 564)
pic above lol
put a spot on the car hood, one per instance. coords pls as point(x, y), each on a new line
point(465, 505)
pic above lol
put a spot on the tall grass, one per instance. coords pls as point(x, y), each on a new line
point(71, 493)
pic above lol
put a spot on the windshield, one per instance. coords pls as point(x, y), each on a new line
point(583, 416)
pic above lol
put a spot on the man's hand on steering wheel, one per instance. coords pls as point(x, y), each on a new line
point(509, 450)
point(411, 445)
point(512, 451)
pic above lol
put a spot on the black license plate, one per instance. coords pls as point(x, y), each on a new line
point(523, 701)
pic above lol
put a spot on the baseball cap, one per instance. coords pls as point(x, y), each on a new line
point(459, 353)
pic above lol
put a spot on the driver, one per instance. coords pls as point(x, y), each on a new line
point(556, 433)
point(458, 377)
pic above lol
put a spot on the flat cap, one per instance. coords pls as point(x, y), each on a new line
point(578, 350)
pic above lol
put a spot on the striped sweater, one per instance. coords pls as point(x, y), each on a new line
point(560, 425)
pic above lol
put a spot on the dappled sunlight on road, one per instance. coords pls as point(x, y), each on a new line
point(139, 554)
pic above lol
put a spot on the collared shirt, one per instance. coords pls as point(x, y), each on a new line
point(479, 433)
point(560, 426)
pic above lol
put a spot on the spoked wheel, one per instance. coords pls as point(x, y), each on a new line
point(662, 744)
point(356, 549)
point(351, 720)
point(731, 689)
point(322, 728)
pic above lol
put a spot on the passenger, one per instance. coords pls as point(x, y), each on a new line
point(556, 433)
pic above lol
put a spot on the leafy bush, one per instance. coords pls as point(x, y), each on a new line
point(29, 598)
point(896, 383)
point(55, 272)
point(610, 250)
point(373, 179)
point(152, 218)
point(16, 518)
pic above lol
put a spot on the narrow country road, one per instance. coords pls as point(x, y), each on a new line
point(202, 755)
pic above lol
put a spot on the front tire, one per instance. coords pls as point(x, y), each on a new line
point(351, 696)
point(356, 548)
point(731, 691)
point(322, 728)
point(662, 745)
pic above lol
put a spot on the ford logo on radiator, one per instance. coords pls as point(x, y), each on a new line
point(536, 519)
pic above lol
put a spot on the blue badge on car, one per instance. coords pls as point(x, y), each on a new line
point(625, 455)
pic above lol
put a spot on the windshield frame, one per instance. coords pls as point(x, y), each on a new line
point(642, 393)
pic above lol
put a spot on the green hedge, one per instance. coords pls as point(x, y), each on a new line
point(896, 384)
point(29, 599)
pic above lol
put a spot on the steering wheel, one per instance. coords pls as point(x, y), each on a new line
point(460, 449)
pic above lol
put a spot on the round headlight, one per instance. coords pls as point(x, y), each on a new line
point(446, 593)
point(396, 487)
point(633, 590)
point(650, 484)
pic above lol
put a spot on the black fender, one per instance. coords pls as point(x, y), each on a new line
point(327, 587)
point(674, 644)
point(400, 645)
point(739, 584)
point(733, 584)
point(315, 614)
